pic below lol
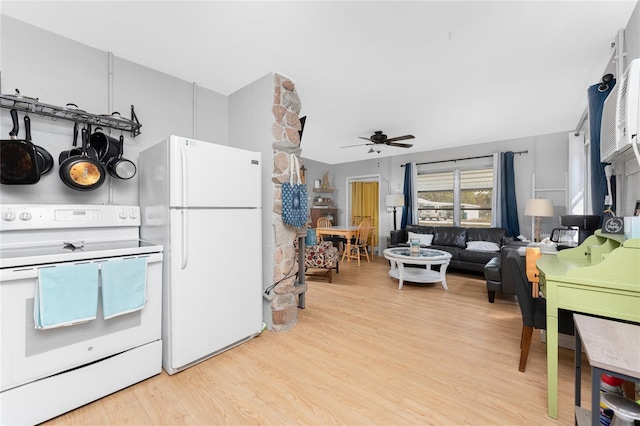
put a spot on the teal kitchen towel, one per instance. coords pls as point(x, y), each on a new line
point(124, 286)
point(66, 295)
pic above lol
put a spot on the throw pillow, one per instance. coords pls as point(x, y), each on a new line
point(482, 246)
point(425, 239)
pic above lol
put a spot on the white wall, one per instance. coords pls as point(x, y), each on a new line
point(58, 70)
point(250, 127)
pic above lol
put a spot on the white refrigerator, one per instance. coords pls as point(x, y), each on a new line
point(202, 201)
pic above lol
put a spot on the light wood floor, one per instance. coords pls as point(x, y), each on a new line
point(363, 353)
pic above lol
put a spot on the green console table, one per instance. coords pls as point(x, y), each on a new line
point(600, 277)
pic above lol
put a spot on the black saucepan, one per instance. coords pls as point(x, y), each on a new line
point(44, 159)
point(18, 158)
point(82, 172)
point(119, 167)
point(105, 146)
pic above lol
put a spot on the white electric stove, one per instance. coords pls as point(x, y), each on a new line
point(88, 360)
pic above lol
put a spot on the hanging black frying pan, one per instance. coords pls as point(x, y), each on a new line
point(82, 172)
point(18, 158)
point(88, 149)
point(119, 167)
point(44, 159)
point(74, 148)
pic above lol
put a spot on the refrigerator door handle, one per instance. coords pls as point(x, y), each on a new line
point(184, 214)
point(183, 160)
point(185, 241)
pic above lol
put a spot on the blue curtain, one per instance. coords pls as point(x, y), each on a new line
point(407, 210)
point(597, 94)
point(508, 204)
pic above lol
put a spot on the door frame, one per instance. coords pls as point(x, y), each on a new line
point(376, 177)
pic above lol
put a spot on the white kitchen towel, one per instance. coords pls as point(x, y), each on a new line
point(124, 286)
point(66, 295)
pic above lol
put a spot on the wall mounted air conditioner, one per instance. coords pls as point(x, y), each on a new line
point(620, 114)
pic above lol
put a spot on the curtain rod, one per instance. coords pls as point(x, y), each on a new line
point(466, 158)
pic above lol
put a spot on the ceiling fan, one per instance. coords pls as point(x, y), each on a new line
point(380, 138)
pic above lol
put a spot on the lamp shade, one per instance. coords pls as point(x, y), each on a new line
point(395, 200)
point(539, 207)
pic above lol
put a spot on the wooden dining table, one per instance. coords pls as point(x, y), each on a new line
point(348, 232)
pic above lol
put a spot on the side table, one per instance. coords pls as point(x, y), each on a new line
point(611, 348)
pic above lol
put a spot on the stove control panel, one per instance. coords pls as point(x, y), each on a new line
point(55, 216)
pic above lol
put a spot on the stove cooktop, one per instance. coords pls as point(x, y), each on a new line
point(74, 251)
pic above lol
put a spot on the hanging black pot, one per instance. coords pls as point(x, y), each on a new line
point(106, 147)
point(120, 167)
point(18, 158)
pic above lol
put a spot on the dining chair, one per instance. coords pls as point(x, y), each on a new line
point(357, 220)
point(323, 222)
point(338, 241)
point(533, 309)
point(359, 245)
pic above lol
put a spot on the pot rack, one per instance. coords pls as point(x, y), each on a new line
point(71, 113)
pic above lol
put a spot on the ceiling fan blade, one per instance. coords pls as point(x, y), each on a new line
point(360, 144)
point(400, 138)
point(366, 139)
point(400, 145)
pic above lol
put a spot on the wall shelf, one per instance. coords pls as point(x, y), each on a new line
point(71, 113)
point(328, 212)
point(323, 203)
point(323, 190)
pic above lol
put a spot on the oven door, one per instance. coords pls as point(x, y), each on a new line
point(29, 354)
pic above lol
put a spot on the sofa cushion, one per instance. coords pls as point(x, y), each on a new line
point(451, 236)
point(483, 246)
point(425, 239)
point(419, 229)
point(454, 251)
point(481, 257)
point(494, 235)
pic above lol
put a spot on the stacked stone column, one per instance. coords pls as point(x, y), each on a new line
point(286, 140)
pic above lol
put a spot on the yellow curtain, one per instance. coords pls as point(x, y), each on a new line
point(364, 203)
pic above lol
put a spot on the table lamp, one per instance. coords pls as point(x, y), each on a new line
point(395, 200)
point(538, 208)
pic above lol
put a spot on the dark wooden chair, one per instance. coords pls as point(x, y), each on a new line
point(534, 309)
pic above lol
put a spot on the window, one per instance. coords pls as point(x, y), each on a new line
point(455, 197)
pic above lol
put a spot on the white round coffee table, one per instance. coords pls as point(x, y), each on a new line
point(399, 256)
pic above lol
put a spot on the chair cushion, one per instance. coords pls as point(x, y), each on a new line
point(323, 255)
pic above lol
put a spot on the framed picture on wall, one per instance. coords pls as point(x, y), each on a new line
point(637, 209)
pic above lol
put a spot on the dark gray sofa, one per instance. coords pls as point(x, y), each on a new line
point(454, 239)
